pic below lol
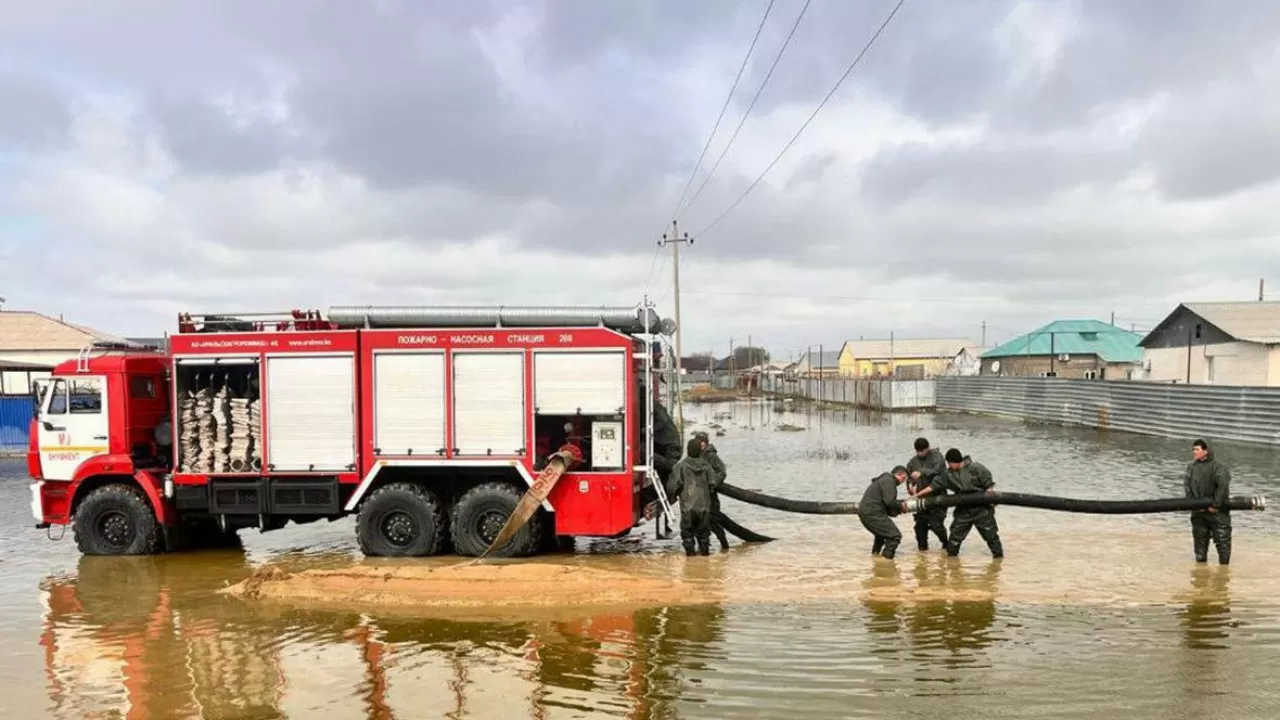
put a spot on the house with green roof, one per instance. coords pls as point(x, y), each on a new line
point(1087, 349)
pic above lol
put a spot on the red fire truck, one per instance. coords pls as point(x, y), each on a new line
point(428, 423)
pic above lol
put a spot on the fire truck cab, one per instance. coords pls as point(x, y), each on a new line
point(426, 423)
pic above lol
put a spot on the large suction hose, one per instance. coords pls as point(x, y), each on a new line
point(1043, 502)
point(810, 507)
point(740, 532)
point(1077, 505)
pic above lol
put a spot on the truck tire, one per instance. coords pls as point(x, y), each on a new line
point(480, 514)
point(116, 519)
point(401, 520)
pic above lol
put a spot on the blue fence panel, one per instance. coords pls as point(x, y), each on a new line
point(15, 421)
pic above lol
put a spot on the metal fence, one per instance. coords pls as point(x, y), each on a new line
point(1244, 414)
point(880, 394)
point(15, 421)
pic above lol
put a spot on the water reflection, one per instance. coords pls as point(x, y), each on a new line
point(149, 637)
point(934, 632)
point(1207, 616)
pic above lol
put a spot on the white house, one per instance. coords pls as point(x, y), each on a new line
point(1219, 343)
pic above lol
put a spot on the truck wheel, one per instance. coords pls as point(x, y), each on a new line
point(479, 516)
point(116, 519)
point(401, 520)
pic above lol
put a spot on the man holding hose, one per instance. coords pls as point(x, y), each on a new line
point(1208, 478)
point(962, 477)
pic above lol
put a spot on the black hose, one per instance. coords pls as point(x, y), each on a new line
point(740, 532)
point(1078, 505)
point(1043, 502)
point(809, 507)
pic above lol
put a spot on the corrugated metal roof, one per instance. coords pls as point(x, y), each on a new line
point(1079, 337)
point(31, 331)
point(906, 348)
point(828, 360)
point(1256, 322)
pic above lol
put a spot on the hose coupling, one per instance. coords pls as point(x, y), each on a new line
point(1259, 502)
point(914, 505)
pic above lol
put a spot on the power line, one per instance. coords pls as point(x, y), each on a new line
point(816, 110)
point(750, 107)
point(714, 128)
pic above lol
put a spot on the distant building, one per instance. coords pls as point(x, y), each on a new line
point(1219, 343)
point(31, 344)
point(967, 362)
point(812, 364)
point(909, 358)
point(697, 363)
point(1089, 349)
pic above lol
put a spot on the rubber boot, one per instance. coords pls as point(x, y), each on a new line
point(922, 536)
point(890, 547)
point(723, 538)
point(1222, 541)
point(704, 546)
point(1201, 543)
point(877, 545)
point(688, 547)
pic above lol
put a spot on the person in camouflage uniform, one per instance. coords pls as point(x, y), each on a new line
point(963, 476)
point(693, 481)
point(1208, 478)
point(722, 472)
point(666, 451)
point(922, 468)
point(879, 503)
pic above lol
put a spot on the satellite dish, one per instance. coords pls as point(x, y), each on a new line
point(995, 366)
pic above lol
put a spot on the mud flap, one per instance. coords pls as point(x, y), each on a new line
point(557, 466)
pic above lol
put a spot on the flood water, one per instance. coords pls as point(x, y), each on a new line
point(1087, 616)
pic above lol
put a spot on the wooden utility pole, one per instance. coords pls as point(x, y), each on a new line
point(1262, 282)
point(674, 241)
point(984, 333)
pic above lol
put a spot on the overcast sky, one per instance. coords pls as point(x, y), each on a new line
point(1013, 162)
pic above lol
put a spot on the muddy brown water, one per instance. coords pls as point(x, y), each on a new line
point(1088, 616)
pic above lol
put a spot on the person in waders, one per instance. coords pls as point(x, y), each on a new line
point(666, 453)
point(964, 476)
point(1208, 478)
point(717, 465)
point(922, 468)
point(879, 504)
point(693, 481)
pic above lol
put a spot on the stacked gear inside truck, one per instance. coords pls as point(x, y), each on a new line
point(219, 419)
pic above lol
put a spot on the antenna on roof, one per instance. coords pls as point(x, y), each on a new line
point(2, 300)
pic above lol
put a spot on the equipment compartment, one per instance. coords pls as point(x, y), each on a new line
point(219, 424)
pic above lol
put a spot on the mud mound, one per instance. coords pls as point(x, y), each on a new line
point(464, 585)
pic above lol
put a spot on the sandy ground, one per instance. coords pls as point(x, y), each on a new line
point(524, 585)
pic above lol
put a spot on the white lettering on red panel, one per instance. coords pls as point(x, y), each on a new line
point(526, 339)
point(471, 339)
point(416, 340)
point(225, 344)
